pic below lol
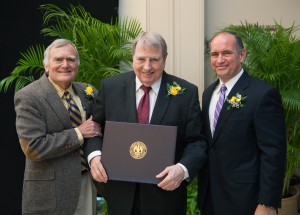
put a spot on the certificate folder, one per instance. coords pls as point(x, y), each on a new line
point(137, 152)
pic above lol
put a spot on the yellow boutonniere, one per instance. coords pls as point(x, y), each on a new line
point(175, 89)
point(235, 101)
point(89, 93)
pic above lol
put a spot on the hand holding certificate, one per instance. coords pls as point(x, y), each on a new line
point(137, 152)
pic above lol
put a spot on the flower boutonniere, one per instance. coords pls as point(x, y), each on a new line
point(89, 93)
point(175, 89)
point(236, 101)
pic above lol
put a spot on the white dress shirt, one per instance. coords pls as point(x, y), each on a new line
point(152, 94)
point(216, 93)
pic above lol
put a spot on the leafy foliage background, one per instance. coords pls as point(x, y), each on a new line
point(104, 49)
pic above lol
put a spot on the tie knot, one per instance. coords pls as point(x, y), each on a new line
point(66, 93)
point(223, 88)
point(146, 89)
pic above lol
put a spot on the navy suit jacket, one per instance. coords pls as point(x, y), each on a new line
point(247, 152)
point(116, 101)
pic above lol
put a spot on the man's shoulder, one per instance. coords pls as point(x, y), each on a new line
point(256, 82)
point(81, 85)
point(35, 87)
point(182, 82)
point(120, 77)
point(118, 80)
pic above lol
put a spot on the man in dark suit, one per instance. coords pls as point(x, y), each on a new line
point(245, 170)
point(118, 100)
point(53, 180)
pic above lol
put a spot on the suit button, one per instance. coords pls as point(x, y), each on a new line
point(77, 153)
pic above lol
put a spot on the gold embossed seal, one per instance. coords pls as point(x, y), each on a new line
point(138, 150)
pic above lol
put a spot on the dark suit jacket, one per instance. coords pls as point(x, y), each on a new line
point(247, 152)
point(52, 173)
point(116, 101)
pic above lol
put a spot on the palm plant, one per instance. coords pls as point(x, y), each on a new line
point(104, 49)
point(273, 54)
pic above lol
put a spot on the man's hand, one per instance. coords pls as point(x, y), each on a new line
point(90, 128)
point(97, 170)
point(263, 210)
point(174, 176)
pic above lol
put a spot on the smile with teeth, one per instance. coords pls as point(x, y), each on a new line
point(64, 72)
point(147, 73)
point(221, 67)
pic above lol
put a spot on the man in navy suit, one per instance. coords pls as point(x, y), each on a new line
point(247, 148)
point(118, 99)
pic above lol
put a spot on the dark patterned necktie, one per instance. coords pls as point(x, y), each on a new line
point(143, 107)
point(219, 105)
point(76, 120)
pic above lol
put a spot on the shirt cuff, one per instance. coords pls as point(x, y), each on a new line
point(79, 135)
point(93, 154)
point(186, 173)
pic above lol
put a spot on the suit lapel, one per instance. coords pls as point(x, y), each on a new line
point(55, 102)
point(129, 98)
point(162, 101)
point(239, 87)
point(206, 104)
point(84, 101)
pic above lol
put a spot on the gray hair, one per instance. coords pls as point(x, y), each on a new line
point(151, 39)
point(56, 44)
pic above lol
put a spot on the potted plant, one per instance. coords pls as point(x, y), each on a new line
point(104, 49)
point(273, 55)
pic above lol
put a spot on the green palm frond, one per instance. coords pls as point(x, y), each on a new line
point(291, 99)
point(104, 49)
point(19, 81)
point(29, 67)
point(32, 60)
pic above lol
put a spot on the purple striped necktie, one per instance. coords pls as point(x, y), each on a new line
point(219, 105)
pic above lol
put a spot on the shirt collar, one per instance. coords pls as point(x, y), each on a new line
point(60, 91)
point(231, 82)
point(155, 86)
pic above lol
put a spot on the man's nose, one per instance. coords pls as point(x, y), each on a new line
point(147, 65)
point(65, 63)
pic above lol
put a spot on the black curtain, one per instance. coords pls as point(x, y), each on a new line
point(21, 23)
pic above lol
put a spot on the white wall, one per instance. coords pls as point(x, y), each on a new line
point(221, 13)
